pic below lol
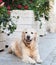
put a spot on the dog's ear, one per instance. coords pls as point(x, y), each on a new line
point(23, 35)
point(35, 37)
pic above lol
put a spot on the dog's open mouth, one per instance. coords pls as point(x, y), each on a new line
point(28, 40)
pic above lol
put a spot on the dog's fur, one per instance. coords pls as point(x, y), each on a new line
point(26, 48)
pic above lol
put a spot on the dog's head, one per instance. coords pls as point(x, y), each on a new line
point(29, 35)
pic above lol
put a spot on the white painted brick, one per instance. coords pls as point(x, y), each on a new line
point(21, 27)
point(25, 16)
point(22, 13)
point(25, 20)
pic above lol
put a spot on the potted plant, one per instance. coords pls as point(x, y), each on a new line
point(6, 25)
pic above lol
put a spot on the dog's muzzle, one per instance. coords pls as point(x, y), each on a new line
point(28, 39)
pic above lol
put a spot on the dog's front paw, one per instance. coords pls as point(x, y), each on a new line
point(24, 60)
point(28, 61)
point(39, 61)
point(32, 61)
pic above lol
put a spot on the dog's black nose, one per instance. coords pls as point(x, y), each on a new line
point(28, 37)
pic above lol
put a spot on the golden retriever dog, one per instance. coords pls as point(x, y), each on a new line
point(26, 48)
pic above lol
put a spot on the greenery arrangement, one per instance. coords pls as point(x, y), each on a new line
point(5, 21)
point(38, 6)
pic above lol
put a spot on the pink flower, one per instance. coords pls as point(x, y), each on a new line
point(25, 7)
point(2, 4)
point(8, 7)
point(30, 1)
point(1, 1)
point(8, 12)
point(19, 6)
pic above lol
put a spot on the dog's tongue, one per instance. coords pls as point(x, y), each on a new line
point(28, 41)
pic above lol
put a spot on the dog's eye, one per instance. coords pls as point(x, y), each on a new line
point(25, 32)
point(31, 32)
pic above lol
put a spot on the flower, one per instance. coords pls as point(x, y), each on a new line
point(8, 7)
point(31, 1)
point(19, 6)
point(25, 7)
point(8, 12)
point(38, 6)
point(2, 4)
point(1, 1)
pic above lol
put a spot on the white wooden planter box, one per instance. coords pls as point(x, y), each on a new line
point(25, 20)
point(2, 40)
